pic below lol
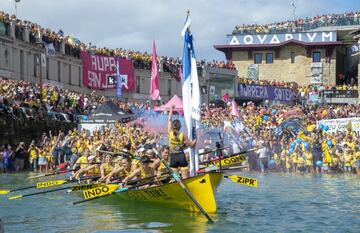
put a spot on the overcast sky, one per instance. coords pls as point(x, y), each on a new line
point(133, 24)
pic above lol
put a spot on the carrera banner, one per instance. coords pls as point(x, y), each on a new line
point(265, 92)
point(99, 72)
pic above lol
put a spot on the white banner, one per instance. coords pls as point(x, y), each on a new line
point(341, 124)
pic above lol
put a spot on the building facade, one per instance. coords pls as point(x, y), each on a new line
point(20, 60)
point(319, 57)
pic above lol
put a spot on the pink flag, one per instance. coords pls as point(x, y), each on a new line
point(234, 109)
point(154, 84)
point(225, 97)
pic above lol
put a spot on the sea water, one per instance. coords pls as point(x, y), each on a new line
point(281, 203)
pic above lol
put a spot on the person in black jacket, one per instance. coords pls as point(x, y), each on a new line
point(317, 154)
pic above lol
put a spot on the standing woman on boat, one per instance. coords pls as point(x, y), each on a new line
point(177, 142)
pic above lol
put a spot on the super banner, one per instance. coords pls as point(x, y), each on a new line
point(99, 72)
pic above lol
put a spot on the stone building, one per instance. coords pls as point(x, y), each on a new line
point(20, 60)
point(318, 56)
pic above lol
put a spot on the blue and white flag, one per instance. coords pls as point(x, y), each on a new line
point(118, 80)
point(50, 49)
point(190, 91)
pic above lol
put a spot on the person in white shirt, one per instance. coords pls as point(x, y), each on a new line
point(263, 156)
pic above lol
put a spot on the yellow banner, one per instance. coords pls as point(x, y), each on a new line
point(49, 183)
point(227, 161)
point(244, 180)
point(99, 191)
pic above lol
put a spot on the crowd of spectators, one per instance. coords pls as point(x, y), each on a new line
point(299, 25)
point(312, 149)
point(72, 46)
point(45, 154)
point(22, 100)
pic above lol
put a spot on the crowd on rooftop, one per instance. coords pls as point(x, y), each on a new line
point(302, 24)
point(72, 46)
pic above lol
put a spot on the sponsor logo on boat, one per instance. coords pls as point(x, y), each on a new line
point(84, 186)
point(156, 193)
point(227, 161)
point(98, 192)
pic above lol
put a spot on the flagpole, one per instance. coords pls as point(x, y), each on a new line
point(192, 128)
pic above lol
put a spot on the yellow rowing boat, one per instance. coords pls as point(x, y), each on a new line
point(202, 187)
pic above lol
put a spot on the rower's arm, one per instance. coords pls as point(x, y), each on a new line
point(170, 118)
point(156, 164)
point(188, 142)
point(132, 175)
point(108, 178)
point(113, 172)
point(102, 172)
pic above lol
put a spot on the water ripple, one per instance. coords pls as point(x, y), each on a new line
point(282, 203)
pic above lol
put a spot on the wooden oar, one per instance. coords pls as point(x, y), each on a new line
point(72, 188)
point(186, 190)
point(118, 152)
point(213, 150)
point(51, 174)
point(45, 184)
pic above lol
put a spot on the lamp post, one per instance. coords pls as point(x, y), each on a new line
point(42, 64)
point(16, 2)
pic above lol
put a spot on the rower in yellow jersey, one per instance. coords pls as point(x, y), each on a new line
point(90, 169)
point(177, 142)
point(106, 168)
point(81, 162)
point(144, 171)
point(122, 168)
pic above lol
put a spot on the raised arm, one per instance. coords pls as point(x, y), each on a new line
point(188, 142)
point(170, 118)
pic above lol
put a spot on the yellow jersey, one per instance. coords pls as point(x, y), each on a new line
point(144, 174)
point(176, 143)
point(33, 153)
point(107, 168)
point(347, 159)
point(308, 157)
point(82, 161)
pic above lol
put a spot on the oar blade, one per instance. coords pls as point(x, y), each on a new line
point(15, 197)
point(252, 182)
point(4, 192)
point(47, 184)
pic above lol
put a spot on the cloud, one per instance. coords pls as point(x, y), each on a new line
point(133, 24)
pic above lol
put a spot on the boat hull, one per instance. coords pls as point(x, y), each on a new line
point(171, 195)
